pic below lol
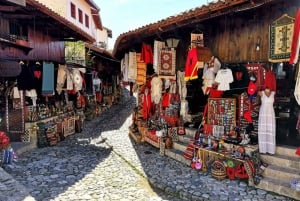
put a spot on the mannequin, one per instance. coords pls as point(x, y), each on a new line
point(267, 122)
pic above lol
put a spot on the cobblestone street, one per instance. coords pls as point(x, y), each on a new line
point(103, 163)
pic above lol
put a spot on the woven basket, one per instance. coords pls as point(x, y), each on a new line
point(218, 170)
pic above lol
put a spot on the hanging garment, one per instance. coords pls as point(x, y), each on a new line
point(26, 78)
point(297, 88)
point(147, 54)
point(296, 40)
point(141, 73)
point(132, 67)
point(156, 89)
point(77, 79)
point(61, 78)
point(191, 68)
point(89, 83)
point(146, 104)
point(166, 100)
point(208, 79)
point(48, 79)
point(224, 77)
point(270, 81)
point(181, 84)
point(158, 46)
point(124, 67)
point(267, 124)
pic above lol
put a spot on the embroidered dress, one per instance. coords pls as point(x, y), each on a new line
point(267, 124)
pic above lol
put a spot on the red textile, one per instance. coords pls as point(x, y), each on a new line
point(146, 106)
point(252, 88)
point(270, 81)
point(147, 53)
point(296, 40)
point(191, 65)
point(247, 116)
point(298, 151)
point(166, 100)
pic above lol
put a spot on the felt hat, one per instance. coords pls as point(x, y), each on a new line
point(252, 88)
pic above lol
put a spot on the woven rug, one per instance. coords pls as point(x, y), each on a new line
point(167, 62)
point(281, 32)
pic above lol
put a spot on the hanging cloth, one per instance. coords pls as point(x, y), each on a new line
point(297, 88)
point(158, 46)
point(270, 81)
point(191, 69)
point(124, 67)
point(48, 79)
point(25, 79)
point(132, 67)
point(147, 54)
point(296, 40)
point(61, 78)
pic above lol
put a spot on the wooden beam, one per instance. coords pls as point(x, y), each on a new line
point(8, 8)
point(17, 16)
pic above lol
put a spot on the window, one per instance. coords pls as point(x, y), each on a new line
point(87, 23)
point(80, 17)
point(18, 31)
point(73, 11)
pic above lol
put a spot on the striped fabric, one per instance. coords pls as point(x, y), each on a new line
point(141, 73)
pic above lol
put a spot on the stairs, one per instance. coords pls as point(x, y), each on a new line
point(180, 146)
point(282, 168)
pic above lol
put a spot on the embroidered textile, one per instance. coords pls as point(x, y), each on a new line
point(141, 73)
point(158, 46)
point(167, 62)
point(281, 32)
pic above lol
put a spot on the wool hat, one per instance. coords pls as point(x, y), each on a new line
point(252, 88)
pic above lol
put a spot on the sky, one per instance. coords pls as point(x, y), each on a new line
point(122, 16)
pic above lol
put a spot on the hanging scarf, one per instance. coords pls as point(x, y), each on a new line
point(296, 40)
point(146, 105)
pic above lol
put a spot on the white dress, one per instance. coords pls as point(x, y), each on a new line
point(267, 125)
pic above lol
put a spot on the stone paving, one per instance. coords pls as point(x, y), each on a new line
point(102, 163)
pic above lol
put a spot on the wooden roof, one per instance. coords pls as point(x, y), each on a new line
point(37, 15)
point(184, 19)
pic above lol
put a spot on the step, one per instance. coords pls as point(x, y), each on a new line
point(282, 160)
point(190, 131)
point(281, 173)
point(279, 187)
point(177, 155)
point(185, 138)
point(287, 151)
point(181, 146)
